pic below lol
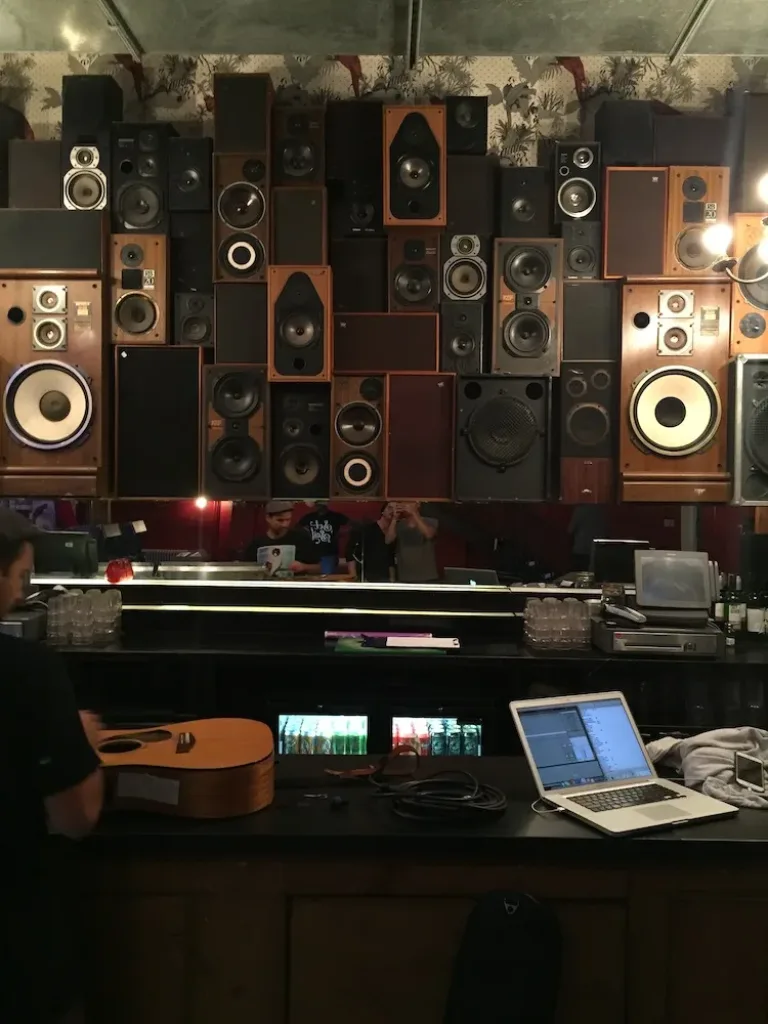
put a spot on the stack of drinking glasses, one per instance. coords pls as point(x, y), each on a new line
point(84, 620)
point(557, 625)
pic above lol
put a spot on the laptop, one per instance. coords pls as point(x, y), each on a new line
point(587, 758)
point(471, 577)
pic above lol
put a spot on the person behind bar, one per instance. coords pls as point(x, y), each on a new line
point(369, 557)
point(278, 516)
point(51, 791)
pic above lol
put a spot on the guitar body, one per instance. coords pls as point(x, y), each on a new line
point(210, 768)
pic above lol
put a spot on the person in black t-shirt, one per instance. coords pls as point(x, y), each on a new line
point(369, 557)
point(323, 527)
point(278, 517)
point(50, 787)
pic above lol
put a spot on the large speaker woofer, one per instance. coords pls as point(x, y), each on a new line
point(576, 197)
point(48, 405)
point(413, 284)
point(464, 278)
point(242, 255)
point(139, 206)
point(298, 159)
point(300, 465)
point(691, 251)
point(527, 270)
point(135, 313)
point(526, 333)
point(588, 424)
point(752, 266)
point(414, 172)
point(241, 205)
point(85, 189)
point(236, 395)
point(674, 411)
point(358, 424)
point(756, 435)
point(357, 473)
point(299, 330)
point(236, 459)
point(502, 431)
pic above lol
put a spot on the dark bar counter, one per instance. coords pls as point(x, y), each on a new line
point(309, 912)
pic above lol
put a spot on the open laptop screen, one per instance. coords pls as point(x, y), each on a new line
point(582, 743)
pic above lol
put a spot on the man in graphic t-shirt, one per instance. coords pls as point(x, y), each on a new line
point(323, 527)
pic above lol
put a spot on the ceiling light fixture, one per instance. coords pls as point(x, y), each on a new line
point(717, 239)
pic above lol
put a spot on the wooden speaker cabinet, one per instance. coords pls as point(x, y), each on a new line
point(415, 166)
point(414, 271)
point(299, 323)
point(235, 418)
point(749, 329)
point(697, 199)
point(358, 437)
point(421, 435)
point(385, 342)
point(674, 393)
point(139, 289)
point(54, 425)
point(635, 222)
point(241, 221)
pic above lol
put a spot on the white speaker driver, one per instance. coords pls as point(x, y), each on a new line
point(675, 411)
point(47, 405)
point(358, 474)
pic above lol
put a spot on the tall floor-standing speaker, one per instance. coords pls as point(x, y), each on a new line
point(157, 421)
point(588, 435)
point(503, 439)
point(749, 429)
point(235, 418)
point(139, 178)
point(420, 436)
point(90, 105)
point(301, 448)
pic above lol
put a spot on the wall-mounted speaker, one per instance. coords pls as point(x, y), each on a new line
point(635, 221)
point(298, 145)
point(503, 439)
point(578, 181)
point(193, 318)
point(588, 437)
point(582, 249)
point(420, 436)
point(697, 200)
point(749, 431)
point(299, 323)
point(241, 226)
point(466, 119)
point(414, 271)
point(191, 252)
point(472, 191)
point(189, 174)
point(235, 418)
point(415, 178)
point(527, 301)
point(354, 168)
point(464, 272)
point(90, 105)
point(749, 333)
point(241, 315)
point(242, 113)
point(45, 243)
point(385, 342)
point(139, 178)
point(358, 438)
point(300, 442)
point(591, 320)
point(462, 345)
point(525, 203)
point(299, 229)
point(139, 289)
point(34, 174)
point(360, 275)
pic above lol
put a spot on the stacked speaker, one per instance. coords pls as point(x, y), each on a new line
point(356, 301)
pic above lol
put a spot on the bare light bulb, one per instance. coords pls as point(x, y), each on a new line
point(717, 238)
point(762, 251)
point(201, 503)
point(762, 190)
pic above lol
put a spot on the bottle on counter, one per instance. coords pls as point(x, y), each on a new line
point(718, 609)
point(731, 613)
point(741, 599)
point(755, 615)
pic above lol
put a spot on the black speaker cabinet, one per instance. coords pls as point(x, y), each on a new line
point(359, 268)
point(466, 119)
point(578, 179)
point(191, 252)
point(235, 418)
point(525, 203)
point(299, 228)
point(139, 178)
point(34, 174)
point(354, 168)
point(588, 399)
point(301, 440)
point(298, 145)
point(190, 186)
point(462, 345)
point(591, 320)
point(503, 439)
point(748, 435)
point(241, 323)
point(582, 249)
point(90, 105)
point(193, 318)
point(464, 267)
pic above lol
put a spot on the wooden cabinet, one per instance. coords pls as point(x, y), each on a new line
point(587, 481)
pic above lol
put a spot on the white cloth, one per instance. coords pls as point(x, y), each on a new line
point(706, 762)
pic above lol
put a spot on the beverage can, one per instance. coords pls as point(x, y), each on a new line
point(471, 740)
point(454, 740)
point(437, 739)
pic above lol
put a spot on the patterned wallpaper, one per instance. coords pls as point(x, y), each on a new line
point(529, 96)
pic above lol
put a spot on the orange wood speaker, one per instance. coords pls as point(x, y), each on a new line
point(749, 313)
point(299, 323)
point(697, 199)
point(139, 289)
point(587, 481)
point(358, 437)
point(415, 166)
point(527, 337)
point(421, 436)
point(54, 424)
point(212, 768)
point(241, 232)
point(674, 393)
point(414, 270)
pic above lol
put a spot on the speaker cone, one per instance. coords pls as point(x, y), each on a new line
point(241, 205)
point(523, 209)
point(85, 189)
point(756, 435)
point(358, 424)
point(753, 266)
point(49, 334)
point(189, 180)
point(300, 465)
point(357, 473)
point(196, 329)
point(527, 270)
point(582, 259)
point(502, 431)
point(465, 116)
point(415, 172)
point(462, 346)
point(242, 255)
point(299, 330)
point(298, 159)
point(139, 206)
point(588, 425)
point(236, 395)
point(464, 278)
point(135, 313)
point(691, 251)
point(413, 284)
point(675, 411)
point(576, 197)
point(47, 405)
point(526, 333)
point(236, 459)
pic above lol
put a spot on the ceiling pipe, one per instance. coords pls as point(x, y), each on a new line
point(415, 11)
point(116, 21)
point(689, 29)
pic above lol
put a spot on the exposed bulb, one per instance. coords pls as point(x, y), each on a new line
point(762, 251)
point(762, 190)
point(717, 238)
point(201, 503)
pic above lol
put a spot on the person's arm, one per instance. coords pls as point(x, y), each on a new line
point(426, 527)
point(390, 534)
point(352, 553)
point(70, 778)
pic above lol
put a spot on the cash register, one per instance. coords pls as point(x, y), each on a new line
point(674, 591)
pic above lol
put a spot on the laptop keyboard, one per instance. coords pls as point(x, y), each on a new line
point(628, 796)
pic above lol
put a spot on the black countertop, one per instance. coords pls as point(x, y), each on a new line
point(303, 822)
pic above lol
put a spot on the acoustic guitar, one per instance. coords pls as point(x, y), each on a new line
point(211, 768)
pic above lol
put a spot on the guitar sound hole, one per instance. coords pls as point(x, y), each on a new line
point(118, 746)
point(153, 736)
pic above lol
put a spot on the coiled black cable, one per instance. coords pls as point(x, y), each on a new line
point(454, 797)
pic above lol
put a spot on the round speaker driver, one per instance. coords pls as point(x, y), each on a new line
point(135, 313)
point(85, 189)
point(675, 411)
point(139, 206)
point(47, 405)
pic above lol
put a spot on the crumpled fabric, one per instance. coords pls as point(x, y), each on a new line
point(706, 762)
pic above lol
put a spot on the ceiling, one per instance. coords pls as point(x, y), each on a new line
point(467, 27)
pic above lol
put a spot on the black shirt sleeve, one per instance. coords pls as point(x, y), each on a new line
point(305, 549)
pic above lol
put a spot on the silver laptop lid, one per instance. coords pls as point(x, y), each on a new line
point(587, 741)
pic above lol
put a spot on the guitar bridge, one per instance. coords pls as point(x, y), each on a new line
point(184, 742)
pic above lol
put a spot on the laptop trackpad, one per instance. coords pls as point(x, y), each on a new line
point(663, 812)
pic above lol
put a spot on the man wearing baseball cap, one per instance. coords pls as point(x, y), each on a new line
point(278, 516)
point(50, 783)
